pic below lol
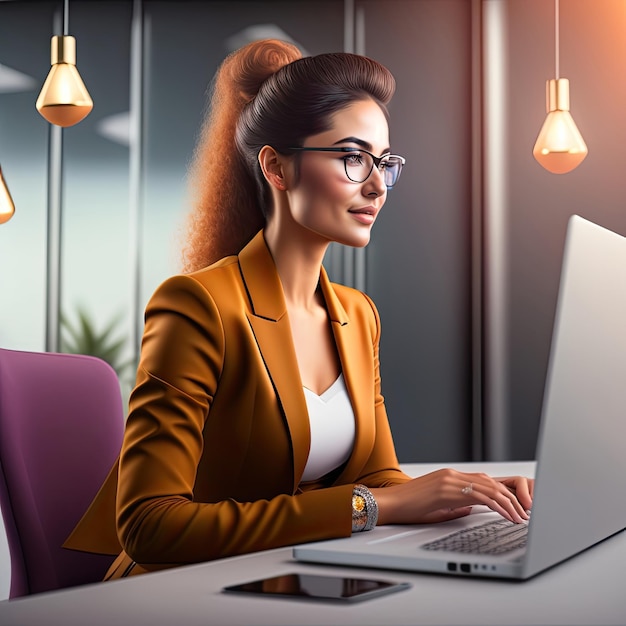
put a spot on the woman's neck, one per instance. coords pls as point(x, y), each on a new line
point(298, 262)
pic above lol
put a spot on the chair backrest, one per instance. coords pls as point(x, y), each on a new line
point(61, 428)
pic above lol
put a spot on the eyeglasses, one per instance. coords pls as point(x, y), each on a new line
point(360, 163)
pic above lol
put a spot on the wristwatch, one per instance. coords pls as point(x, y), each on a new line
point(364, 509)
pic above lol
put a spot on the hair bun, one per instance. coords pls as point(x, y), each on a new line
point(254, 63)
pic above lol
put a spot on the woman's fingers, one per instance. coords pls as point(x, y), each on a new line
point(482, 489)
point(522, 488)
point(495, 501)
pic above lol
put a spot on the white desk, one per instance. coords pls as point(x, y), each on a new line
point(589, 589)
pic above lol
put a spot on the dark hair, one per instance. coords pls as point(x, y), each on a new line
point(265, 95)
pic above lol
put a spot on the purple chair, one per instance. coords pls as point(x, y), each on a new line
point(61, 426)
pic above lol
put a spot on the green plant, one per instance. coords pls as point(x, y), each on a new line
point(106, 344)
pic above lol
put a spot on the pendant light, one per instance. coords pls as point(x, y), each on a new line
point(7, 208)
point(559, 147)
point(64, 99)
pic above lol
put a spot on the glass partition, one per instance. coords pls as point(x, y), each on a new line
point(95, 272)
point(25, 32)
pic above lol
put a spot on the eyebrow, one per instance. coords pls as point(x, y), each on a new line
point(359, 142)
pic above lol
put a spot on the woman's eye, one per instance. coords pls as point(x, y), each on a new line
point(354, 159)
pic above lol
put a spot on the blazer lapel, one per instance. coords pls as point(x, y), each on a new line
point(355, 353)
point(270, 324)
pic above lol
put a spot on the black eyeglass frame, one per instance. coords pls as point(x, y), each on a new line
point(376, 160)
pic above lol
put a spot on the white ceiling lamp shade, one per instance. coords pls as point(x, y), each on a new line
point(14, 81)
point(560, 147)
point(115, 128)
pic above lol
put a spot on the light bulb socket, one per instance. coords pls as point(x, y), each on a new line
point(557, 95)
point(63, 49)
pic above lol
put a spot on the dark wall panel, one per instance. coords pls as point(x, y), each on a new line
point(419, 260)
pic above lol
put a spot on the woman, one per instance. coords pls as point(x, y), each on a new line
point(257, 419)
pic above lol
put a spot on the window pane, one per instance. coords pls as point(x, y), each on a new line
point(95, 273)
point(25, 32)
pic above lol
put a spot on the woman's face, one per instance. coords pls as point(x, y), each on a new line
point(322, 198)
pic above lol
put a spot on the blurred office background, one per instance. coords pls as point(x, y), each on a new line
point(465, 258)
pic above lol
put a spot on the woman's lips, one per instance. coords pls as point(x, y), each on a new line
point(366, 215)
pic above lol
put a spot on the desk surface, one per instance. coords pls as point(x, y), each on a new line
point(588, 589)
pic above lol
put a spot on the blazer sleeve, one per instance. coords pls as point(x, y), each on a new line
point(158, 519)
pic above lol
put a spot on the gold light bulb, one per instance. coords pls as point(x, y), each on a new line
point(64, 99)
point(559, 147)
point(7, 208)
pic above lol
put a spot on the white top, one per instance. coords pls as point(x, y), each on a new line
point(331, 420)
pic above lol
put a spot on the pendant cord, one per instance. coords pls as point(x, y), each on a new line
point(556, 39)
point(66, 17)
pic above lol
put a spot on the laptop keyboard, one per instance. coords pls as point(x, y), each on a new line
point(495, 537)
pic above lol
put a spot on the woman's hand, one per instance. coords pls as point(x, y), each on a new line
point(447, 494)
point(521, 487)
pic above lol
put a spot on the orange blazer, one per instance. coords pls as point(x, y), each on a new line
point(217, 435)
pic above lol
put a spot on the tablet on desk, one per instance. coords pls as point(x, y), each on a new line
point(320, 587)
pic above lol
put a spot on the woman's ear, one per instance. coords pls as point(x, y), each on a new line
point(272, 165)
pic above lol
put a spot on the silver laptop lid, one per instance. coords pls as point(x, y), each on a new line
point(582, 442)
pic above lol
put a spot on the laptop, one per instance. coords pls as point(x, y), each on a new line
point(581, 453)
